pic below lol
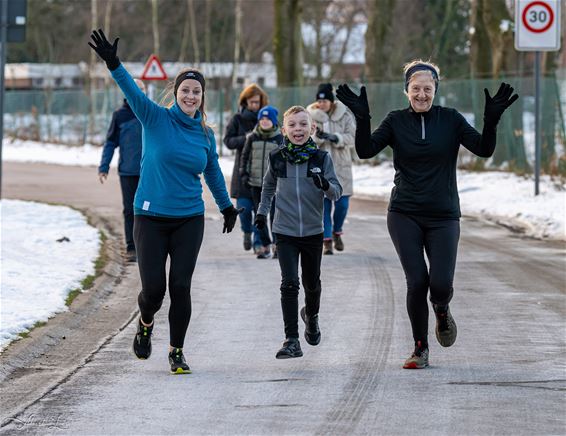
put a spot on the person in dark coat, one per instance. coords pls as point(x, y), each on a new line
point(125, 133)
point(251, 99)
point(424, 209)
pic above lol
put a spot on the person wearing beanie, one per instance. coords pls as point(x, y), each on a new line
point(424, 210)
point(177, 148)
point(251, 99)
point(265, 138)
point(300, 175)
point(335, 133)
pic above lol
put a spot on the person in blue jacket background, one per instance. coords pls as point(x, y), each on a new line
point(125, 133)
point(177, 147)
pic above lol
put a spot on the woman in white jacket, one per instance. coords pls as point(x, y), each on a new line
point(335, 133)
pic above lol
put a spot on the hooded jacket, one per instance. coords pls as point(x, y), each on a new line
point(342, 124)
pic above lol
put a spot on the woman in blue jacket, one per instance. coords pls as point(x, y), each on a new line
point(177, 146)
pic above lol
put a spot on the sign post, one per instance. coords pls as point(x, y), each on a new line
point(537, 28)
point(12, 29)
point(153, 70)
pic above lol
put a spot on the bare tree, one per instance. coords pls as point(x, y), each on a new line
point(380, 17)
point(288, 42)
point(237, 38)
point(155, 26)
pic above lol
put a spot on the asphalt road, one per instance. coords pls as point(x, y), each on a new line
point(505, 374)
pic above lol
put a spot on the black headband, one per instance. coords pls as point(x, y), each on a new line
point(191, 74)
point(421, 67)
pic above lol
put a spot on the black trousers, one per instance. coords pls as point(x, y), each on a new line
point(180, 239)
point(413, 236)
point(129, 185)
point(309, 250)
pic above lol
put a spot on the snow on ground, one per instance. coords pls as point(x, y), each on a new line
point(37, 271)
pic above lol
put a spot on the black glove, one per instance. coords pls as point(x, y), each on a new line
point(230, 215)
point(326, 136)
point(245, 180)
point(105, 50)
point(496, 105)
point(357, 104)
point(320, 182)
point(260, 221)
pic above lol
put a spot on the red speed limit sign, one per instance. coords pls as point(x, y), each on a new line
point(537, 25)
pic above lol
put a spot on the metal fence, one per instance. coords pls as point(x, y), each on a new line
point(77, 117)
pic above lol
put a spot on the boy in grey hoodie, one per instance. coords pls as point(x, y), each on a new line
point(300, 176)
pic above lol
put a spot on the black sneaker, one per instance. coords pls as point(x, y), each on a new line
point(142, 341)
point(291, 348)
point(131, 256)
point(446, 329)
point(178, 362)
point(247, 241)
point(312, 331)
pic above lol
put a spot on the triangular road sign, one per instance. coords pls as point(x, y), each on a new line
point(153, 70)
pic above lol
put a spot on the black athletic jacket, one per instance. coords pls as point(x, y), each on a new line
point(425, 150)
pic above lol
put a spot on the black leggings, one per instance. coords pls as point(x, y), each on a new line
point(439, 239)
point(309, 249)
point(159, 237)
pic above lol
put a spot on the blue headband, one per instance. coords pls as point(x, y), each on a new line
point(421, 67)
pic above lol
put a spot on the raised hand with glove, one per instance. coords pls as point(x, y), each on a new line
point(320, 182)
point(105, 50)
point(496, 105)
point(357, 104)
point(326, 136)
point(230, 216)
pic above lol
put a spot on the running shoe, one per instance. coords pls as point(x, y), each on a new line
point(312, 331)
point(142, 341)
point(178, 363)
point(419, 358)
point(327, 247)
point(446, 330)
point(338, 243)
point(291, 348)
point(247, 241)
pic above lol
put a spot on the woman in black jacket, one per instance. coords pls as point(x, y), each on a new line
point(251, 99)
point(424, 208)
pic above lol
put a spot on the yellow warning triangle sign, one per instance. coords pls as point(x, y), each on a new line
point(153, 70)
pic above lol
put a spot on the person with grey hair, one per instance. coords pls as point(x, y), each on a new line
point(424, 209)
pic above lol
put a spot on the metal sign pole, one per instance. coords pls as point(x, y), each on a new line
point(537, 122)
point(3, 46)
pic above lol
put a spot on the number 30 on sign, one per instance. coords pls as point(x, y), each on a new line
point(537, 25)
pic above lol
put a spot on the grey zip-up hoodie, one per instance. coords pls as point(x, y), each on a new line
point(299, 204)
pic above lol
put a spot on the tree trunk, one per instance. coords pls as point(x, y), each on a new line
point(380, 15)
point(207, 5)
point(194, 39)
point(288, 43)
point(480, 52)
point(237, 39)
point(185, 37)
point(155, 26)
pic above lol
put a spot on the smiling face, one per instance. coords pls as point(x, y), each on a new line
point(298, 127)
point(189, 96)
point(421, 91)
point(265, 123)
